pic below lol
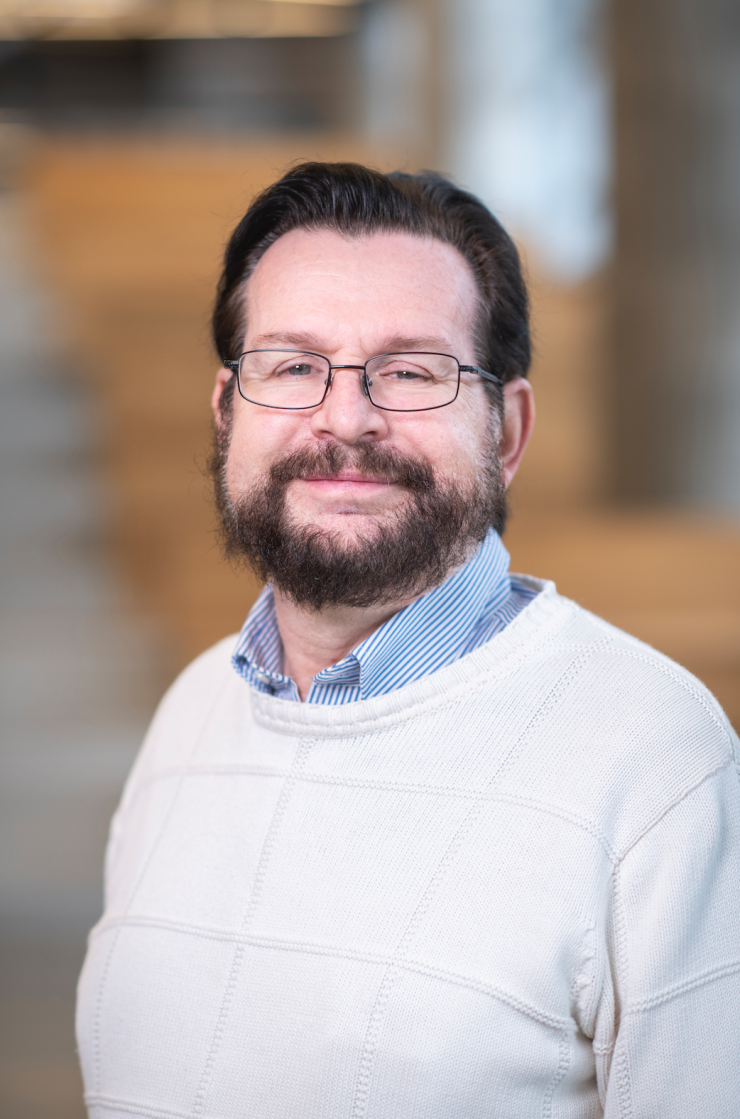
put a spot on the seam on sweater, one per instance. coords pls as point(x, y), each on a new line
point(105, 972)
point(462, 690)
point(98, 1012)
point(666, 810)
point(313, 948)
point(683, 678)
point(560, 811)
point(93, 1099)
point(564, 1059)
point(196, 742)
point(678, 989)
point(411, 713)
point(450, 696)
point(268, 846)
point(620, 1067)
point(620, 946)
point(372, 1036)
point(554, 697)
point(586, 978)
point(583, 823)
point(554, 1021)
point(161, 716)
point(102, 984)
point(621, 1071)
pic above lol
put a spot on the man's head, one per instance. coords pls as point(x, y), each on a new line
point(346, 503)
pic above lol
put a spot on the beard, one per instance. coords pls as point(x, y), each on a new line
point(407, 552)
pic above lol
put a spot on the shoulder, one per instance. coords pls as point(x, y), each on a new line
point(209, 682)
point(617, 732)
point(619, 674)
point(194, 691)
point(623, 675)
point(197, 682)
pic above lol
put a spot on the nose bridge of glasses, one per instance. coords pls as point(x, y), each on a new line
point(360, 368)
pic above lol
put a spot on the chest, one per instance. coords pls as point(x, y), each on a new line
point(298, 938)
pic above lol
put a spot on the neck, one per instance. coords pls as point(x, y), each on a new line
point(312, 641)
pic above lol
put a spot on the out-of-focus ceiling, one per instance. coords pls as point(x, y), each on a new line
point(174, 19)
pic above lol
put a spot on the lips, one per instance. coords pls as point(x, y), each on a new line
point(359, 479)
point(367, 464)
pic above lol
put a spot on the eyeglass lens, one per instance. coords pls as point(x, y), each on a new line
point(399, 382)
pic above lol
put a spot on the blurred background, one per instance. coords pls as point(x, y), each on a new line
point(133, 134)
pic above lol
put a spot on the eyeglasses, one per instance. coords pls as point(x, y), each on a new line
point(407, 382)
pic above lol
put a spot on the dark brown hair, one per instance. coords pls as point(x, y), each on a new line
point(355, 200)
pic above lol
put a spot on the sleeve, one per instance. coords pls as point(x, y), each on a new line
point(667, 1037)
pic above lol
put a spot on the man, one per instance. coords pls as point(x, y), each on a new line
point(430, 840)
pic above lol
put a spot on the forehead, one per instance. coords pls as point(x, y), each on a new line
point(394, 284)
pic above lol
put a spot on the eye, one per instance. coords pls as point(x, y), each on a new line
point(296, 369)
point(407, 374)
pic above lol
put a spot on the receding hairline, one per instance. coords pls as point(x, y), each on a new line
point(359, 236)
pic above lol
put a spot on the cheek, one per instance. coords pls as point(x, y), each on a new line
point(256, 442)
point(458, 443)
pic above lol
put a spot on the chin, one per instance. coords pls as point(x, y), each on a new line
point(349, 528)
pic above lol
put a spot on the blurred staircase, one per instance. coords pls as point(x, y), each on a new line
point(80, 672)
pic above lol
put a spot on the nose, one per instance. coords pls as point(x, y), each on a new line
point(346, 413)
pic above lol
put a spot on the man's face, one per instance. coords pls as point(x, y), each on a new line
point(351, 299)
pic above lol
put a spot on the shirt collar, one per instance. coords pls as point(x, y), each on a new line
point(446, 615)
point(259, 651)
point(437, 625)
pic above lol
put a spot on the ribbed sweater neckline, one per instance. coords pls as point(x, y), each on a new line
point(532, 626)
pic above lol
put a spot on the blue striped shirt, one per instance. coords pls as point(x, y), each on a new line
point(472, 604)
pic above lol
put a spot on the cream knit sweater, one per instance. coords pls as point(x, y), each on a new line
point(511, 890)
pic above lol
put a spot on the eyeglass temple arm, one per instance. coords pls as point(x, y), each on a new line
point(232, 365)
point(475, 369)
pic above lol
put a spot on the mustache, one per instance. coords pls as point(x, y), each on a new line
point(328, 460)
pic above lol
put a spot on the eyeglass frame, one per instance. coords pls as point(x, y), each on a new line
point(235, 367)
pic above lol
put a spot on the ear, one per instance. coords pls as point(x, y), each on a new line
point(222, 379)
point(517, 424)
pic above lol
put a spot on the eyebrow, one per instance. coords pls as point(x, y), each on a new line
point(396, 344)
